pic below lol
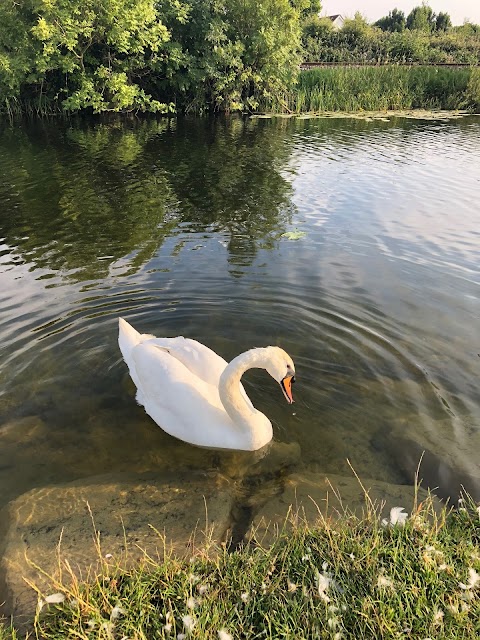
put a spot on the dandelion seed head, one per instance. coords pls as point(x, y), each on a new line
point(191, 603)
point(244, 597)
point(167, 627)
point(181, 636)
point(224, 635)
point(202, 589)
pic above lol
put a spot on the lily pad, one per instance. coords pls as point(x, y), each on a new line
point(293, 235)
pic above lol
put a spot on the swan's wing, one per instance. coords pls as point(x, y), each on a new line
point(182, 404)
point(199, 359)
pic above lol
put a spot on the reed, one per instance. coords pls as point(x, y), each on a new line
point(376, 89)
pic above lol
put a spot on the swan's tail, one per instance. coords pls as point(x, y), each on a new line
point(127, 338)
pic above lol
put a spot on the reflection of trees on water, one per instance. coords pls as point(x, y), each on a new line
point(77, 199)
point(227, 176)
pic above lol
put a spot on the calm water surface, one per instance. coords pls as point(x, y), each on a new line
point(179, 227)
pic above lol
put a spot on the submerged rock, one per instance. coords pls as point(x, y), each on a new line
point(118, 516)
point(308, 496)
point(448, 451)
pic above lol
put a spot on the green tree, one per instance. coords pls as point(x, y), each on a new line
point(394, 22)
point(90, 53)
point(357, 30)
point(468, 29)
point(421, 18)
point(443, 22)
point(306, 8)
point(231, 54)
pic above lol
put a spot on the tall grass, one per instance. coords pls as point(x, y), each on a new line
point(376, 89)
point(349, 578)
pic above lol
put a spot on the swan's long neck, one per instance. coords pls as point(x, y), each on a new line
point(243, 413)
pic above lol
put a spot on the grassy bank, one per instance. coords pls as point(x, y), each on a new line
point(382, 88)
point(353, 577)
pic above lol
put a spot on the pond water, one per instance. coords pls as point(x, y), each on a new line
point(179, 226)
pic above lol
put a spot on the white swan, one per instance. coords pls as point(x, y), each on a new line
point(195, 395)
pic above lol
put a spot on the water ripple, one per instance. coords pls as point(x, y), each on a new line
point(378, 301)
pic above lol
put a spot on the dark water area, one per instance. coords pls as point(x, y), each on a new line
point(179, 226)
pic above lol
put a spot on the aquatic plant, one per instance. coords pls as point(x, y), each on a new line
point(472, 92)
point(377, 88)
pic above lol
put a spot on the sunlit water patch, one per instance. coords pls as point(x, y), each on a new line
point(354, 245)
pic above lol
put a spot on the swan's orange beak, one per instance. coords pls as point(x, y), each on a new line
point(286, 385)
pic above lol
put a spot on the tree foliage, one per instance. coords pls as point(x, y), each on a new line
point(87, 53)
point(123, 55)
point(389, 41)
point(395, 21)
point(443, 22)
point(421, 18)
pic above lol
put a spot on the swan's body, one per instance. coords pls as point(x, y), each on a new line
point(195, 395)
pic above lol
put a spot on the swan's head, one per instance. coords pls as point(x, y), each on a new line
point(280, 366)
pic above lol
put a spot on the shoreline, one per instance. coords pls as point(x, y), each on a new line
point(343, 577)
